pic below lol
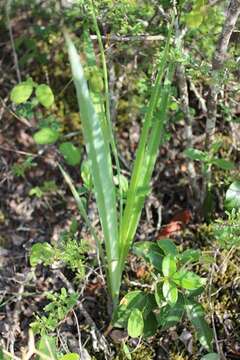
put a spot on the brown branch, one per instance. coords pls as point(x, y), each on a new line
point(188, 120)
point(218, 60)
point(130, 38)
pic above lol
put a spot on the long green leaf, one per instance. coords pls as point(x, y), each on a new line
point(100, 161)
point(147, 154)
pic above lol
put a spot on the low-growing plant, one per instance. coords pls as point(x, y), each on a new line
point(227, 231)
point(27, 97)
point(55, 311)
point(119, 222)
point(174, 293)
point(47, 188)
point(120, 202)
point(69, 250)
point(20, 169)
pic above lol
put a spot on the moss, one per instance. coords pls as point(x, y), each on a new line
point(141, 353)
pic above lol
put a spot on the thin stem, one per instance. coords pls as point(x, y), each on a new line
point(15, 57)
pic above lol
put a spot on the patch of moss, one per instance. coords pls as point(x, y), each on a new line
point(141, 353)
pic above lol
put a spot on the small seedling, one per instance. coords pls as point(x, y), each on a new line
point(20, 169)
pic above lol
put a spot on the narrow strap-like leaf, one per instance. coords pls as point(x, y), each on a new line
point(100, 163)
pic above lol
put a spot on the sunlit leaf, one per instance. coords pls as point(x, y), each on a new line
point(169, 265)
point(21, 92)
point(42, 253)
point(46, 136)
point(196, 315)
point(170, 291)
point(70, 356)
point(232, 199)
point(45, 95)
point(99, 156)
point(135, 323)
point(188, 280)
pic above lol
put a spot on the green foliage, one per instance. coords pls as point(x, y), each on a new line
point(44, 95)
point(19, 169)
point(73, 253)
point(227, 232)
point(55, 311)
point(70, 356)
point(97, 131)
point(196, 315)
point(211, 356)
point(46, 136)
point(232, 199)
point(71, 153)
point(86, 175)
point(175, 291)
point(47, 346)
point(42, 253)
point(135, 323)
point(68, 250)
point(21, 92)
point(195, 18)
point(48, 187)
point(209, 159)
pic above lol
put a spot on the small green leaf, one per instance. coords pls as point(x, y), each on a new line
point(169, 265)
point(170, 292)
point(47, 346)
point(71, 153)
point(45, 95)
point(46, 136)
point(196, 315)
point(211, 356)
point(70, 356)
point(232, 199)
point(195, 154)
point(135, 324)
point(167, 246)
point(223, 164)
point(21, 92)
point(188, 280)
point(41, 253)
